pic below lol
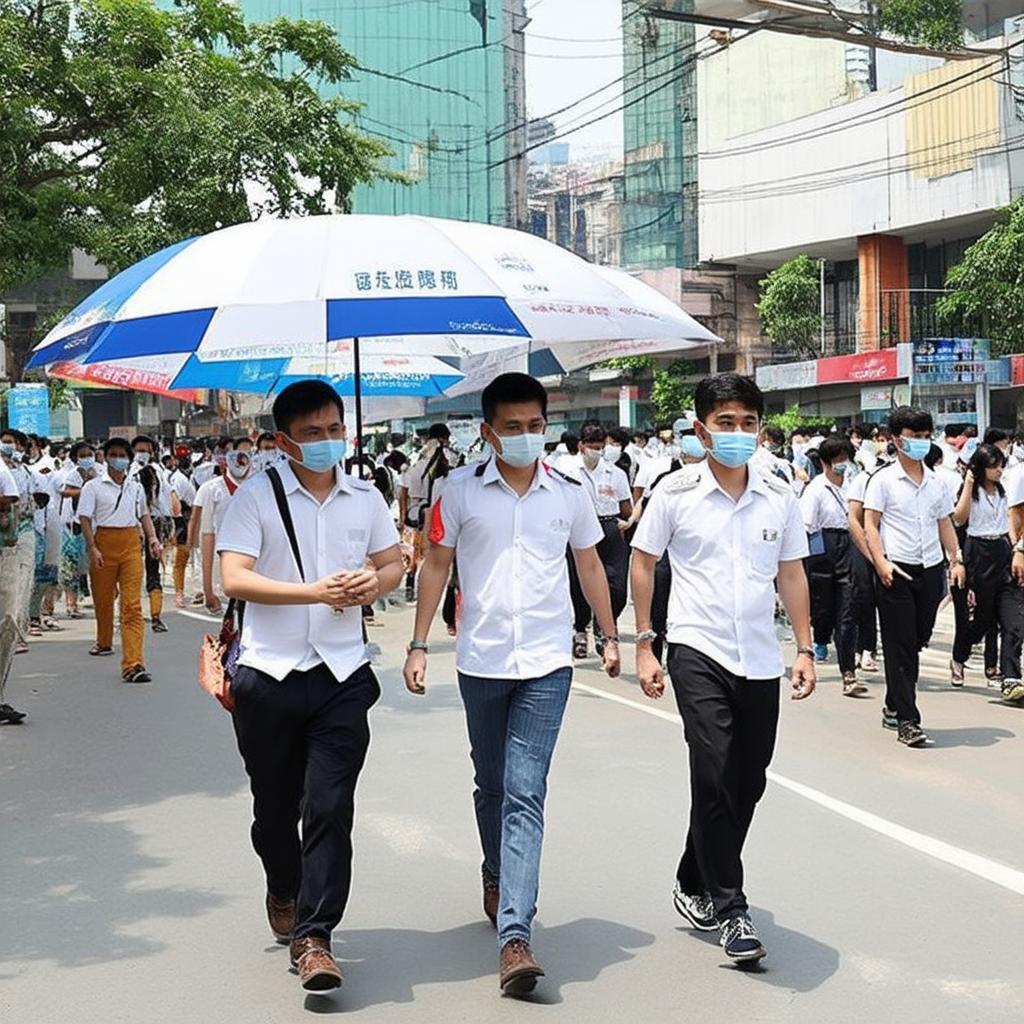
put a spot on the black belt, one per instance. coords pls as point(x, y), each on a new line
point(834, 529)
point(608, 519)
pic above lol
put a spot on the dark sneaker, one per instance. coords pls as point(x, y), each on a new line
point(699, 910)
point(956, 673)
point(159, 626)
point(821, 652)
point(136, 675)
point(579, 645)
point(599, 645)
point(1013, 691)
point(740, 940)
point(889, 719)
point(911, 734)
point(9, 716)
point(491, 897)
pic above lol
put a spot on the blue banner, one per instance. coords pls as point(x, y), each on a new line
point(28, 409)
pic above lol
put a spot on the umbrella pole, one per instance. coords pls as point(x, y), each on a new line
point(359, 404)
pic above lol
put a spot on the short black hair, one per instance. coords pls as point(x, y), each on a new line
point(934, 457)
point(834, 448)
point(592, 432)
point(143, 439)
point(117, 442)
point(80, 446)
point(620, 435)
point(266, 436)
point(302, 398)
point(970, 430)
point(775, 434)
point(953, 429)
point(994, 435)
point(19, 437)
point(511, 389)
point(727, 387)
point(439, 432)
point(907, 417)
point(242, 439)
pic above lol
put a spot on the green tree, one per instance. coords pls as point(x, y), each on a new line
point(932, 23)
point(790, 305)
point(986, 288)
point(125, 127)
point(671, 393)
point(793, 418)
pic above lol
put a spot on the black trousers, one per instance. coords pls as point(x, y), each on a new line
point(659, 604)
point(865, 609)
point(304, 741)
point(999, 606)
point(614, 555)
point(730, 724)
point(153, 570)
point(830, 576)
point(907, 612)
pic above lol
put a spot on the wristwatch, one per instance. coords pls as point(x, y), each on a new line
point(806, 650)
point(646, 635)
point(1019, 546)
point(419, 645)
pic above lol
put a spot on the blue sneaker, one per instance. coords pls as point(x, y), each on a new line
point(821, 652)
point(740, 940)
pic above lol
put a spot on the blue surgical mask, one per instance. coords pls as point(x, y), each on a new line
point(521, 450)
point(117, 463)
point(87, 462)
point(732, 448)
point(691, 447)
point(320, 456)
point(915, 448)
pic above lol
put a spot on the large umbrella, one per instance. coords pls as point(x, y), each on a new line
point(288, 288)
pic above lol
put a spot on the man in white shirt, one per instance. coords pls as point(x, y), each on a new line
point(908, 525)
point(10, 498)
point(81, 466)
point(111, 509)
point(147, 471)
point(213, 500)
point(826, 516)
point(304, 686)
point(14, 447)
point(508, 521)
point(608, 488)
point(730, 534)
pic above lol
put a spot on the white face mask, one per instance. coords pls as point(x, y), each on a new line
point(590, 457)
point(612, 453)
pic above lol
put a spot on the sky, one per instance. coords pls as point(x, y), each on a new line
point(573, 48)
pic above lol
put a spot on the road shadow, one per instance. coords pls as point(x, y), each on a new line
point(386, 965)
point(977, 736)
point(795, 961)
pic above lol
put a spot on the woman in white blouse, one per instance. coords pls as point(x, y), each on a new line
point(982, 509)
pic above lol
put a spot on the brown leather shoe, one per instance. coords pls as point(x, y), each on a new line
point(491, 892)
point(317, 969)
point(519, 970)
point(281, 915)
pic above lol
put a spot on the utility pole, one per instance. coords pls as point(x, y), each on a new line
point(515, 23)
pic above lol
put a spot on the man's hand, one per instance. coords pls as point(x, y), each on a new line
point(330, 590)
point(804, 679)
point(1018, 567)
point(957, 576)
point(650, 673)
point(624, 525)
point(888, 572)
point(97, 556)
point(155, 548)
point(415, 672)
point(360, 587)
point(612, 665)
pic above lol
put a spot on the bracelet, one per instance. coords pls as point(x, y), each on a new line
point(1019, 547)
point(809, 651)
point(647, 635)
point(419, 645)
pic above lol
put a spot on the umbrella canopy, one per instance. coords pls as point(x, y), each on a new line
point(153, 374)
point(286, 288)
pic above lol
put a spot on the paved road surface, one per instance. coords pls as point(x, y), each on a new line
point(888, 883)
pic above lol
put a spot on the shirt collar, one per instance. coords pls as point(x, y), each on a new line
point(291, 482)
point(541, 477)
point(900, 471)
point(755, 484)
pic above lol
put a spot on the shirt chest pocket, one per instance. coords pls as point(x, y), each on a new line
point(354, 548)
point(763, 552)
point(553, 538)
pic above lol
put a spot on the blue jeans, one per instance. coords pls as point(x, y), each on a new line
point(513, 727)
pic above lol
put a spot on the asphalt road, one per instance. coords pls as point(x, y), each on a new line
point(888, 883)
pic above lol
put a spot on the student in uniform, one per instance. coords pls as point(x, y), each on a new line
point(14, 450)
point(10, 498)
point(865, 609)
point(183, 495)
point(608, 488)
point(730, 534)
point(144, 469)
point(830, 566)
point(983, 511)
point(111, 509)
point(81, 467)
point(907, 513)
point(305, 546)
point(509, 520)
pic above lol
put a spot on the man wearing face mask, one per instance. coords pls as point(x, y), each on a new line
point(306, 546)
point(145, 470)
point(111, 509)
point(212, 498)
point(830, 566)
point(908, 524)
point(10, 498)
point(13, 450)
point(608, 488)
point(509, 520)
point(730, 534)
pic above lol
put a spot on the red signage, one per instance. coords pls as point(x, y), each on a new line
point(1017, 371)
point(859, 369)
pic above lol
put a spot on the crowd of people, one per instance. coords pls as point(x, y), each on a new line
point(726, 533)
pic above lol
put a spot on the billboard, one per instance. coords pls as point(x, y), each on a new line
point(28, 409)
point(951, 360)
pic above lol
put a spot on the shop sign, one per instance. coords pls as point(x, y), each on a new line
point(787, 376)
point(951, 360)
point(1017, 371)
point(875, 398)
point(860, 368)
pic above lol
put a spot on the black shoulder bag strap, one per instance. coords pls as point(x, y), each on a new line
point(286, 517)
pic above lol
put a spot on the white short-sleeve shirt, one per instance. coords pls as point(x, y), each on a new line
point(212, 498)
point(823, 505)
point(511, 551)
point(910, 514)
point(607, 486)
point(649, 471)
point(8, 485)
point(724, 556)
point(183, 487)
point(340, 534)
point(1013, 484)
point(989, 515)
point(113, 505)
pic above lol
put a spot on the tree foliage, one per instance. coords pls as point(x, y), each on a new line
point(790, 305)
point(792, 418)
point(986, 287)
point(671, 393)
point(932, 23)
point(125, 127)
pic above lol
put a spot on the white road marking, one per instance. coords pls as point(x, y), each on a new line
point(982, 867)
point(200, 616)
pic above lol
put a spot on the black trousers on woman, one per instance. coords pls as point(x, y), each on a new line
point(614, 555)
